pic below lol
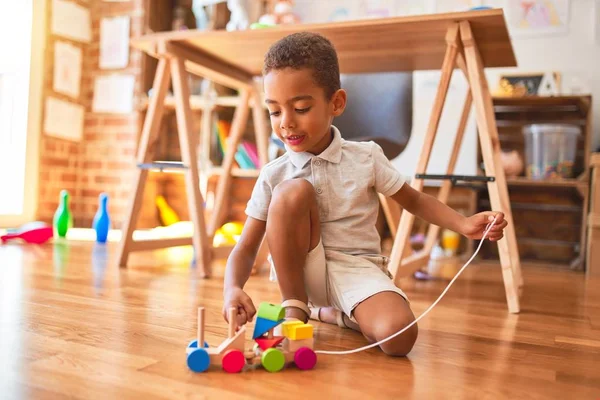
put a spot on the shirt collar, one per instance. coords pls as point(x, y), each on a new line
point(333, 153)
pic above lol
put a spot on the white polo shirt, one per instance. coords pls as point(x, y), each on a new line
point(346, 176)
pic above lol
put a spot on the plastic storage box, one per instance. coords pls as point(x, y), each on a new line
point(550, 150)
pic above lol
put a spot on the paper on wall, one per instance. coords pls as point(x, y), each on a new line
point(529, 18)
point(447, 6)
point(377, 8)
point(597, 21)
point(63, 119)
point(67, 69)
point(71, 21)
point(113, 94)
point(114, 42)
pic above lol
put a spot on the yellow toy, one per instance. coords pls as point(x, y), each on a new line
point(168, 216)
point(228, 234)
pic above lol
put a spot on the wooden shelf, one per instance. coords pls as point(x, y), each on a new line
point(509, 124)
point(179, 168)
point(237, 172)
point(199, 103)
point(536, 203)
point(558, 182)
point(542, 103)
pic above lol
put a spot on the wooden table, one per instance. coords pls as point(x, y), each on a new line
point(470, 40)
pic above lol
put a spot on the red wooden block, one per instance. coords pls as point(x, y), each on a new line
point(265, 343)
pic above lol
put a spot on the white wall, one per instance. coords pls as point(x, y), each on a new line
point(575, 54)
point(425, 85)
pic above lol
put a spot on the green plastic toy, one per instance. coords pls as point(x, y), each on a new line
point(63, 220)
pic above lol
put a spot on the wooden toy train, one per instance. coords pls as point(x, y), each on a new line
point(294, 344)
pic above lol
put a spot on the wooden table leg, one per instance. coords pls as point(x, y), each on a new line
point(188, 146)
point(490, 148)
point(392, 212)
point(444, 193)
point(240, 118)
point(406, 221)
point(145, 154)
point(261, 128)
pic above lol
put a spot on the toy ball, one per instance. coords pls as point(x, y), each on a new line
point(232, 228)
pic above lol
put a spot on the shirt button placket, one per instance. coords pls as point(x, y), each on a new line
point(320, 180)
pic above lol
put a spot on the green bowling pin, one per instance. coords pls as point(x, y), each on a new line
point(62, 217)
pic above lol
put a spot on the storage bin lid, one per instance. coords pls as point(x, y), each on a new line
point(568, 129)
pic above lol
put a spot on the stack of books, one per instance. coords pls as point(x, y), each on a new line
point(246, 155)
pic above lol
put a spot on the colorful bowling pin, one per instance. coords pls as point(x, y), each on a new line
point(101, 220)
point(168, 216)
point(63, 219)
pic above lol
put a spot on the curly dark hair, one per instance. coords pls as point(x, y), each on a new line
point(306, 50)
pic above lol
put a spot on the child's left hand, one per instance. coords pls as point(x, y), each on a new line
point(476, 225)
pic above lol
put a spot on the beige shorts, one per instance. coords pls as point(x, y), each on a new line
point(343, 281)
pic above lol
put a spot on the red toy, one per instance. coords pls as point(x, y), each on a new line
point(35, 232)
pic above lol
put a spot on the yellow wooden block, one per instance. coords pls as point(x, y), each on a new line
point(303, 331)
point(287, 326)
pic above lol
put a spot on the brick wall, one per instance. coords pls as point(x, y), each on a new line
point(59, 159)
point(104, 161)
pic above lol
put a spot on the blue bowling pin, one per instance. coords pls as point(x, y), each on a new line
point(102, 220)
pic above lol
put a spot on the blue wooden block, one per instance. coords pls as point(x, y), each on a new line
point(198, 360)
point(263, 325)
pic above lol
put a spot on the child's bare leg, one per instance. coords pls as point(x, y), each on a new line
point(384, 314)
point(292, 231)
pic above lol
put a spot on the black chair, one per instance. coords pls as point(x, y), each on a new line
point(379, 109)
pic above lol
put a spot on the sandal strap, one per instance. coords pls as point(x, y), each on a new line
point(315, 313)
point(339, 317)
point(297, 304)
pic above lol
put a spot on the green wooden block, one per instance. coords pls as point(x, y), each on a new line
point(271, 312)
point(273, 360)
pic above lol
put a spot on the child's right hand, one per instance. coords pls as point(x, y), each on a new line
point(237, 298)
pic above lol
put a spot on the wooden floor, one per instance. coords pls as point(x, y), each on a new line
point(73, 325)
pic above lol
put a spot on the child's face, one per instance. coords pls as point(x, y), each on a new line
point(301, 115)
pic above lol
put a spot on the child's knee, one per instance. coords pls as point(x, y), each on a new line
point(292, 195)
point(400, 345)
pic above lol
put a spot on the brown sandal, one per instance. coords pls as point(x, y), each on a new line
point(296, 304)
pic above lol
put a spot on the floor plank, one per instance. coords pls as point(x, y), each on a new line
point(75, 326)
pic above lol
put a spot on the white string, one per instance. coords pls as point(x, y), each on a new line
point(370, 346)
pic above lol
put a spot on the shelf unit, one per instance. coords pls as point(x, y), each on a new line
point(549, 214)
point(593, 222)
point(215, 100)
point(199, 102)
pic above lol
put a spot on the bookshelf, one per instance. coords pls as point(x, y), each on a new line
point(563, 201)
point(209, 102)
